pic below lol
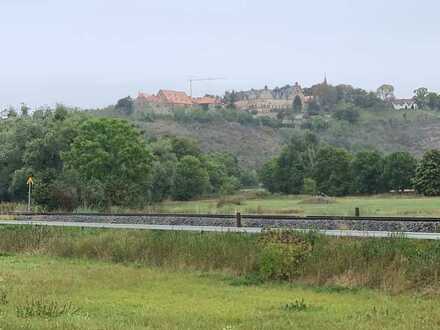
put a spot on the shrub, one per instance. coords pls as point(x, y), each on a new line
point(282, 254)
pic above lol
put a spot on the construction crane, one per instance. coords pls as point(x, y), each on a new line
point(200, 79)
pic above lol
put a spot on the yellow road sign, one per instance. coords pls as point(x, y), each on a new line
point(30, 180)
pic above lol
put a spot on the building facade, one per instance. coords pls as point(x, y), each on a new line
point(165, 100)
point(266, 102)
point(404, 104)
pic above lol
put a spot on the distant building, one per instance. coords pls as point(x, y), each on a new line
point(404, 104)
point(148, 98)
point(207, 101)
point(170, 99)
point(174, 98)
point(266, 101)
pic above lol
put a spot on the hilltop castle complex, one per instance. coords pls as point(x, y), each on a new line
point(263, 102)
point(266, 101)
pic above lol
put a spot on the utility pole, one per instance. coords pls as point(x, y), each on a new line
point(200, 79)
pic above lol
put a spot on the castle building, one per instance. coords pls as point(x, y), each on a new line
point(404, 104)
point(265, 102)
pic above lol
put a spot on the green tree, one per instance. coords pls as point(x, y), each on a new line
point(297, 104)
point(24, 110)
point(346, 112)
point(314, 108)
point(192, 180)
point(427, 179)
point(399, 171)
point(332, 171)
point(368, 167)
point(163, 174)
point(433, 101)
point(182, 147)
point(420, 95)
point(15, 135)
point(286, 172)
point(326, 95)
point(42, 157)
point(112, 163)
point(125, 105)
point(267, 175)
point(230, 99)
point(229, 186)
point(163, 169)
point(385, 92)
point(61, 112)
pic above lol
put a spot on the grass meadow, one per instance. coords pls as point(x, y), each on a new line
point(251, 203)
point(58, 278)
point(260, 202)
point(38, 292)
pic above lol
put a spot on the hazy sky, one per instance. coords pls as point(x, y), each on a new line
point(92, 52)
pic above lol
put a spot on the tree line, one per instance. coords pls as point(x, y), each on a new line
point(307, 166)
point(79, 160)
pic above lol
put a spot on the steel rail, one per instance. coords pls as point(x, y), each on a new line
point(230, 216)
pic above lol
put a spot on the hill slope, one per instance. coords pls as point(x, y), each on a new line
point(386, 131)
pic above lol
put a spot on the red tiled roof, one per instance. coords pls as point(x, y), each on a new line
point(206, 100)
point(174, 97)
point(149, 98)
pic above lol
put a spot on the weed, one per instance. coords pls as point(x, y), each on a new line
point(296, 306)
point(3, 297)
point(44, 308)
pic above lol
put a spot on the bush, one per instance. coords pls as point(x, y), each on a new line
point(282, 255)
point(229, 186)
point(348, 114)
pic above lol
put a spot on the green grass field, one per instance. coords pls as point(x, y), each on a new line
point(256, 202)
point(109, 296)
point(305, 205)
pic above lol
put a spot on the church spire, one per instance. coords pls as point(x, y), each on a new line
point(325, 78)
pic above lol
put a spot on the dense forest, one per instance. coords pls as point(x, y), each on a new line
point(80, 160)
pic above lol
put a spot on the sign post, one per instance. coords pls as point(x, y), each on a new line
point(29, 182)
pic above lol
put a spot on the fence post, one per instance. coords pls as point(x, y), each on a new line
point(357, 212)
point(238, 219)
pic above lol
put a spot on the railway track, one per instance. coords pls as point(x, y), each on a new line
point(227, 216)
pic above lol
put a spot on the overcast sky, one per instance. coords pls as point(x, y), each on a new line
point(91, 52)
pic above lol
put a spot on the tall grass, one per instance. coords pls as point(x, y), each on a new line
point(393, 264)
point(11, 207)
point(234, 254)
